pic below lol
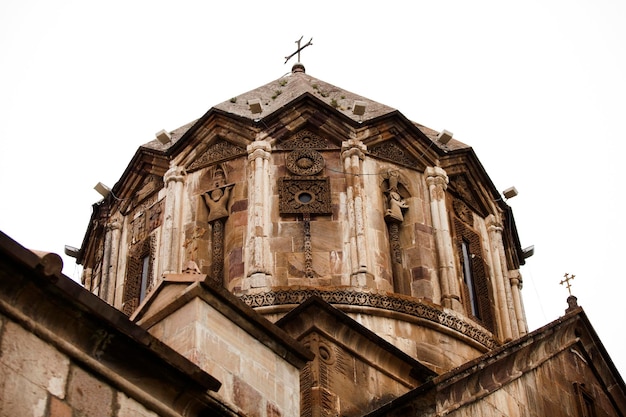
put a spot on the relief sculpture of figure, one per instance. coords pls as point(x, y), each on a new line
point(395, 202)
point(217, 202)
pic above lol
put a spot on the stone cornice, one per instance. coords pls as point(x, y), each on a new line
point(386, 301)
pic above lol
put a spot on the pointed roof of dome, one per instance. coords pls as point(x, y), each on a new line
point(262, 101)
point(276, 94)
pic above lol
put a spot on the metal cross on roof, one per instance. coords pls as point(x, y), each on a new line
point(287, 58)
point(567, 283)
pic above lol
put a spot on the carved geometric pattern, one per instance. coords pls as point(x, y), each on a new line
point(392, 152)
point(145, 203)
point(467, 193)
point(217, 152)
point(304, 162)
point(306, 390)
point(382, 301)
point(147, 217)
point(308, 251)
point(134, 269)
point(304, 140)
point(151, 184)
point(217, 267)
point(462, 211)
point(304, 195)
point(155, 215)
point(394, 239)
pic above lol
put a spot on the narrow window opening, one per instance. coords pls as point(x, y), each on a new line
point(585, 401)
point(468, 277)
point(145, 274)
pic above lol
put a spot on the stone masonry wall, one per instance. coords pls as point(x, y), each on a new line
point(37, 380)
point(253, 377)
point(552, 389)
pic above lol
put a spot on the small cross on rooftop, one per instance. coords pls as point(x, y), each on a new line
point(567, 283)
point(287, 58)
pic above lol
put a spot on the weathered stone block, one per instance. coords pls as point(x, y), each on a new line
point(127, 407)
point(19, 396)
point(59, 408)
point(247, 398)
point(34, 359)
point(89, 395)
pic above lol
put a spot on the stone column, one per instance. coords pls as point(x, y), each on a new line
point(516, 286)
point(504, 302)
point(116, 231)
point(437, 181)
point(174, 180)
point(87, 279)
point(353, 152)
point(257, 255)
point(109, 260)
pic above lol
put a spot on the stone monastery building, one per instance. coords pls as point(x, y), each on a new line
point(299, 250)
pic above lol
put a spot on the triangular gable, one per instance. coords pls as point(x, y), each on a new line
point(219, 151)
point(305, 139)
point(469, 193)
point(391, 151)
point(144, 194)
point(308, 113)
point(395, 139)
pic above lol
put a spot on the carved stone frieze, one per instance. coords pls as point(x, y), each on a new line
point(305, 140)
point(305, 162)
point(304, 195)
point(394, 153)
point(219, 151)
point(382, 301)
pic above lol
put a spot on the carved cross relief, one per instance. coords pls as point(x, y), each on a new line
point(304, 194)
point(216, 200)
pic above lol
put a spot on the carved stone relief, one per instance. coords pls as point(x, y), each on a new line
point(134, 272)
point(304, 195)
point(147, 220)
point(467, 193)
point(217, 201)
point(392, 152)
point(217, 152)
point(305, 139)
point(383, 301)
point(396, 204)
point(462, 211)
point(305, 162)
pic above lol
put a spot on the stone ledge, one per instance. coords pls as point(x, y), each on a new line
point(385, 301)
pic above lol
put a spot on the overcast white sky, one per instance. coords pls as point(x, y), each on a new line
point(538, 88)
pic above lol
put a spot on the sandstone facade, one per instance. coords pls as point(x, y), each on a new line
point(298, 250)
